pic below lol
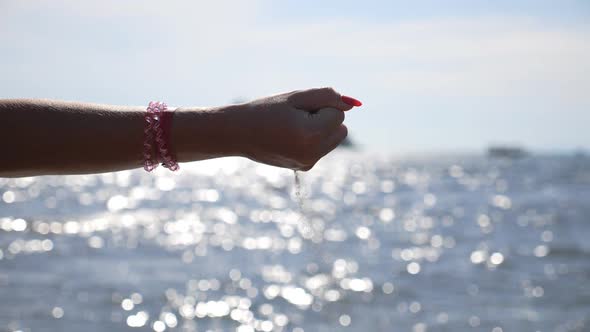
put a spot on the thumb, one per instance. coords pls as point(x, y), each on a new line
point(314, 99)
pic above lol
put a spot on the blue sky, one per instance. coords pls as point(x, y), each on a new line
point(433, 75)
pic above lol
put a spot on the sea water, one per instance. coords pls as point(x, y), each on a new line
point(436, 243)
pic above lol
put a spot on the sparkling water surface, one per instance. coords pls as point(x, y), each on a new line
point(376, 243)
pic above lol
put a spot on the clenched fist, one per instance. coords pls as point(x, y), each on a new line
point(292, 130)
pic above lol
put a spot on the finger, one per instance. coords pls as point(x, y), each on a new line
point(314, 99)
point(329, 144)
point(326, 119)
point(332, 142)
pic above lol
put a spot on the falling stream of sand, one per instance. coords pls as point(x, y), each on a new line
point(301, 196)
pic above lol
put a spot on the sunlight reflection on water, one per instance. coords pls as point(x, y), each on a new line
point(376, 243)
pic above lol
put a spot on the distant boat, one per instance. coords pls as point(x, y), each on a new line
point(581, 153)
point(507, 152)
point(347, 143)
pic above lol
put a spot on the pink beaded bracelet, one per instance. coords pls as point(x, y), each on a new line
point(157, 133)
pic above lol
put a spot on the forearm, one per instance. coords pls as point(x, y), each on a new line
point(40, 137)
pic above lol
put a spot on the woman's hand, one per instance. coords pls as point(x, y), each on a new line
point(292, 130)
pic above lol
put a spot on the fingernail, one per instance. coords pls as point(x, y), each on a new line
point(351, 101)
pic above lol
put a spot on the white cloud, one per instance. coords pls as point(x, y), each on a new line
point(491, 56)
point(495, 56)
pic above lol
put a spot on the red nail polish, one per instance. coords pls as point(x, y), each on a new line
point(351, 101)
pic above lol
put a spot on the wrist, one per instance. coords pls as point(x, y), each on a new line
point(203, 133)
